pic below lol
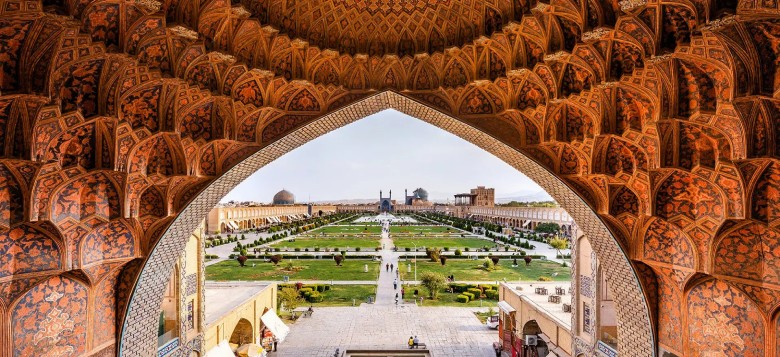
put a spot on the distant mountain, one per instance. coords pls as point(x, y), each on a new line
point(354, 201)
point(528, 197)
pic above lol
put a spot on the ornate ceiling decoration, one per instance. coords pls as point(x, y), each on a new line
point(378, 27)
point(662, 115)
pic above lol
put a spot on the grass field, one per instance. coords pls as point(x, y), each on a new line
point(444, 299)
point(471, 270)
point(452, 243)
point(325, 269)
point(363, 243)
point(421, 229)
point(342, 295)
point(353, 229)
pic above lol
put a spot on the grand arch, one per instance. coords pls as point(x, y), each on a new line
point(660, 115)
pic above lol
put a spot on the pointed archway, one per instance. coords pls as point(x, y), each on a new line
point(633, 311)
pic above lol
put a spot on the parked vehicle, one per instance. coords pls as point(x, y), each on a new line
point(492, 322)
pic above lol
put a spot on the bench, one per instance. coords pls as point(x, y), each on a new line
point(419, 345)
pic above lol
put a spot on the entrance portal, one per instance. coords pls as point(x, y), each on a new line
point(632, 312)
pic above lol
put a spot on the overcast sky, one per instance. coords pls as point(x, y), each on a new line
point(385, 151)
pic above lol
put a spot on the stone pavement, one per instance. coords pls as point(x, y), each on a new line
point(447, 331)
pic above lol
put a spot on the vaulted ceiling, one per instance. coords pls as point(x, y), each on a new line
point(662, 115)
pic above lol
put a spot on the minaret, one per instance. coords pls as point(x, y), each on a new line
point(380, 195)
point(391, 194)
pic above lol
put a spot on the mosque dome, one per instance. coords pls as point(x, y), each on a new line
point(284, 197)
point(421, 193)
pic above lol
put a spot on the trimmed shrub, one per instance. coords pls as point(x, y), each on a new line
point(443, 260)
point(491, 294)
point(458, 252)
point(475, 291)
point(305, 290)
point(408, 249)
point(495, 260)
point(314, 297)
point(469, 295)
point(462, 298)
point(276, 259)
point(545, 278)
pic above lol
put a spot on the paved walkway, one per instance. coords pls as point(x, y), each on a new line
point(446, 331)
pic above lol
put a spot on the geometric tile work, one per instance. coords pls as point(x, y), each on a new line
point(654, 123)
point(586, 286)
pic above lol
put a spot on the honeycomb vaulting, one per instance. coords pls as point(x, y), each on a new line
point(662, 116)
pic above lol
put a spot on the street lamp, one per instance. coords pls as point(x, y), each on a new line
point(415, 261)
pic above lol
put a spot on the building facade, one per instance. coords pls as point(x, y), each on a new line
point(223, 218)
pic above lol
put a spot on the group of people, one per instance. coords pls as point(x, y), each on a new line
point(451, 278)
point(414, 342)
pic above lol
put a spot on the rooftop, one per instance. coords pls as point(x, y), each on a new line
point(526, 291)
point(224, 297)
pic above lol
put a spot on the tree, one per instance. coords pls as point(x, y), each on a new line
point(495, 260)
point(558, 244)
point(443, 260)
point(289, 298)
point(276, 258)
point(241, 259)
point(338, 258)
point(433, 282)
point(433, 253)
point(527, 259)
point(488, 264)
point(548, 227)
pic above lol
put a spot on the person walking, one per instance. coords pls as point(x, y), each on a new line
point(395, 284)
point(391, 266)
point(387, 267)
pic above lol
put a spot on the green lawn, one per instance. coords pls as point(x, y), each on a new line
point(421, 229)
point(452, 243)
point(325, 269)
point(342, 295)
point(471, 270)
point(367, 244)
point(445, 298)
point(353, 229)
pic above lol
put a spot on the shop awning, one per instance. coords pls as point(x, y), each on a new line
point(221, 350)
point(233, 224)
point(505, 307)
point(275, 324)
point(526, 223)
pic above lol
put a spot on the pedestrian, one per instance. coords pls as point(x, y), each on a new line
point(391, 266)
point(416, 342)
point(395, 284)
point(387, 267)
point(276, 341)
point(402, 291)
